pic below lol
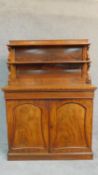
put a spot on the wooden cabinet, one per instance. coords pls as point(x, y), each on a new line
point(49, 100)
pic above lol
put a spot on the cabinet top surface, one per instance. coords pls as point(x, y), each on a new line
point(81, 87)
point(48, 42)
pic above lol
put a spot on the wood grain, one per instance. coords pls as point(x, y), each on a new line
point(49, 100)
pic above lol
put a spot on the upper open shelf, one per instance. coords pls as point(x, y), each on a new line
point(55, 51)
point(55, 61)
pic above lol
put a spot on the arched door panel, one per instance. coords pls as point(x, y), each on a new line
point(69, 128)
point(29, 127)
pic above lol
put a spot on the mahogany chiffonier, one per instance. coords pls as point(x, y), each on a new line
point(49, 100)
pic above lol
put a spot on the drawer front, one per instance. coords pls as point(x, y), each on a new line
point(29, 95)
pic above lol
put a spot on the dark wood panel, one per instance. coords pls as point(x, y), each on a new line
point(48, 54)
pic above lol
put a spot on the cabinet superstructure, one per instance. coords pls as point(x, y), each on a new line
point(49, 100)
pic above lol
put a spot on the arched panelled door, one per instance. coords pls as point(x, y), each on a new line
point(68, 126)
point(50, 126)
point(29, 126)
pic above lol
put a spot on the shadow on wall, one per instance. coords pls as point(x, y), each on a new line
point(3, 82)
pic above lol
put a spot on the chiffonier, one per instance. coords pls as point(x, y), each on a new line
point(49, 100)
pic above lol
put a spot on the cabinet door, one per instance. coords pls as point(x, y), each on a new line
point(27, 126)
point(70, 125)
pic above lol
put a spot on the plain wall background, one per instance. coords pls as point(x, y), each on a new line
point(48, 19)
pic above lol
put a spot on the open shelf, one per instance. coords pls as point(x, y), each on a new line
point(51, 62)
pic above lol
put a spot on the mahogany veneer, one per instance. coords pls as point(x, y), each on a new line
point(49, 100)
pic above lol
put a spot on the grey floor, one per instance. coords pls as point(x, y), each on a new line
point(68, 167)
